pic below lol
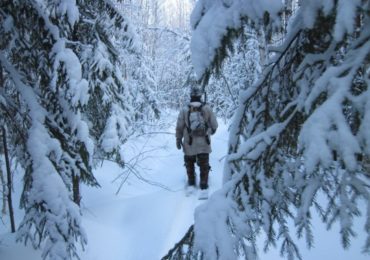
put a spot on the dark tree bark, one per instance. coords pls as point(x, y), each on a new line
point(9, 184)
point(76, 189)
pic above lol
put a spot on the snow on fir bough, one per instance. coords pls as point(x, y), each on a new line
point(299, 131)
point(61, 84)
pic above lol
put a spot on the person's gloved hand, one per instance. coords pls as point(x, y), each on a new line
point(210, 131)
point(178, 143)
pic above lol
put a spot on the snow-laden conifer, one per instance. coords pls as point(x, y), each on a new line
point(54, 57)
point(240, 70)
point(109, 109)
point(298, 141)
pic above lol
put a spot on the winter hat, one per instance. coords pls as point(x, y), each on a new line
point(196, 91)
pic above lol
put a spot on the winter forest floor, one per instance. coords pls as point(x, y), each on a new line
point(143, 221)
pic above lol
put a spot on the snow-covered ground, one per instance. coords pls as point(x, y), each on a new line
point(143, 221)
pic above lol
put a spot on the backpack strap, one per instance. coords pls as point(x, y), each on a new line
point(188, 126)
point(208, 140)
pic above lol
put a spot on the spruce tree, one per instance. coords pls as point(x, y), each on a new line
point(64, 100)
point(297, 133)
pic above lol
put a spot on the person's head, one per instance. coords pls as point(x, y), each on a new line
point(195, 94)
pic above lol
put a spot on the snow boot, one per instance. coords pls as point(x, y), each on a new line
point(189, 190)
point(203, 194)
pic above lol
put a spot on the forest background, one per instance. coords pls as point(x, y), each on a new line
point(80, 79)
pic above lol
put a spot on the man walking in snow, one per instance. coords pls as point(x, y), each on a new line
point(195, 125)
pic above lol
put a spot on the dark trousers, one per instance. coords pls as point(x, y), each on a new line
point(202, 160)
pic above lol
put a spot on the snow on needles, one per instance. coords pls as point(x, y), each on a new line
point(78, 91)
point(345, 22)
point(48, 190)
point(115, 128)
point(211, 20)
point(326, 129)
point(68, 8)
point(344, 19)
point(324, 94)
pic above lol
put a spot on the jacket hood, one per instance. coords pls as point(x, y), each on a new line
point(195, 104)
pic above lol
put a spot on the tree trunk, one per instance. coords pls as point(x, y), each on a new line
point(76, 189)
point(9, 188)
point(2, 179)
point(3, 184)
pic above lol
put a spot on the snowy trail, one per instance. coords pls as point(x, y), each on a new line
point(157, 220)
point(146, 215)
point(179, 223)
